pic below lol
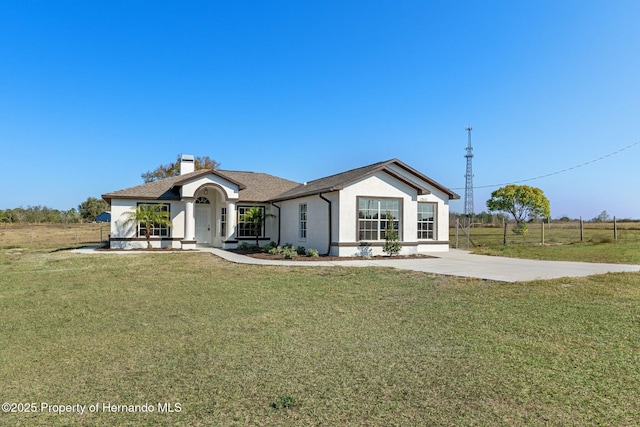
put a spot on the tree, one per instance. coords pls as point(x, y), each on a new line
point(173, 169)
point(521, 201)
point(37, 214)
point(149, 216)
point(256, 217)
point(71, 215)
point(392, 245)
point(11, 215)
point(91, 208)
point(603, 217)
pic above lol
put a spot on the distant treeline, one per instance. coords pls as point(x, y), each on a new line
point(40, 214)
point(86, 212)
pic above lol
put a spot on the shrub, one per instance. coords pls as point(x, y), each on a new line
point(312, 253)
point(277, 250)
point(364, 251)
point(289, 252)
point(269, 246)
point(301, 250)
point(246, 246)
point(392, 245)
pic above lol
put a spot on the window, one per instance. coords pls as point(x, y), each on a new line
point(245, 229)
point(223, 222)
point(372, 217)
point(426, 221)
point(303, 220)
point(156, 230)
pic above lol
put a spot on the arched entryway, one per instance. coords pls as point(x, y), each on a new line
point(210, 216)
point(203, 214)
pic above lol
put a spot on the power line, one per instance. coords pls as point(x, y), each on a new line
point(557, 172)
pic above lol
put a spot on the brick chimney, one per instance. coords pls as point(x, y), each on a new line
point(187, 163)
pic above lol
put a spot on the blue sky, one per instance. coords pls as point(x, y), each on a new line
point(94, 93)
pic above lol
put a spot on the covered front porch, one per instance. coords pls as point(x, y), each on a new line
point(210, 218)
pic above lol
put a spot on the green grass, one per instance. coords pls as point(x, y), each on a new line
point(341, 346)
point(562, 242)
point(625, 252)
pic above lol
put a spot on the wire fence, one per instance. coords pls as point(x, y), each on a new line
point(462, 235)
point(53, 235)
point(547, 233)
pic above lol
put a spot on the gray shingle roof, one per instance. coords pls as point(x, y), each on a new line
point(261, 187)
point(162, 189)
point(340, 180)
point(254, 186)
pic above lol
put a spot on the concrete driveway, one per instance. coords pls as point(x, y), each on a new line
point(461, 263)
point(455, 262)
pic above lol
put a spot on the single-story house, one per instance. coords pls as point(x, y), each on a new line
point(341, 215)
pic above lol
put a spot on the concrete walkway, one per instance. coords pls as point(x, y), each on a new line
point(460, 263)
point(455, 262)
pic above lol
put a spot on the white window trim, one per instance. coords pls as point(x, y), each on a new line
point(302, 221)
point(223, 222)
point(239, 222)
point(381, 217)
point(434, 222)
point(163, 232)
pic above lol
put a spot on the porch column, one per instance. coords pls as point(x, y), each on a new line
point(189, 241)
point(231, 221)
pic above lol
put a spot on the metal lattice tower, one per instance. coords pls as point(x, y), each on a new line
point(468, 187)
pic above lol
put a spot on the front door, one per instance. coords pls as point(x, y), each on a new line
point(203, 223)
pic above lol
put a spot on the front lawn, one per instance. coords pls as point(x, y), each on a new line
point(254, 345)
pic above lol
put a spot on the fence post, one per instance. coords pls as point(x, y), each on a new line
point(615, 229)
point(542, 232)
point(581, 230)
point(457, 227)
point(504, 237)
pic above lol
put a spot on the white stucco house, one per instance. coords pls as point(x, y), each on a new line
point(341, 215)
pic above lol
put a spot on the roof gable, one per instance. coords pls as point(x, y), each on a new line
point(252, 186)
point(339, 181)
point(256, 187)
